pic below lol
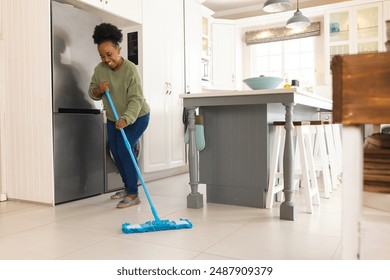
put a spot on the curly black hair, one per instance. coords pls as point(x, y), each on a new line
point(107, 32)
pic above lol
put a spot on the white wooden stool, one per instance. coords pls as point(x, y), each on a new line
point(307, 174)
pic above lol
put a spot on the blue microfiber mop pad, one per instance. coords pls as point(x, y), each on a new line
point(157, 225)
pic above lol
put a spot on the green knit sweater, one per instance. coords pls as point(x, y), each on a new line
point(125, 90)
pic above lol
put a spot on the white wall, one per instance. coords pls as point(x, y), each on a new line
point(26, 151)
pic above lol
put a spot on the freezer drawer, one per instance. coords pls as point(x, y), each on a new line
point(78, 156)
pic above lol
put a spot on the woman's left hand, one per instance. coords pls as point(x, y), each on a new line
point(121, 123)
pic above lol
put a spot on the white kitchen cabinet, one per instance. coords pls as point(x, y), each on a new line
point(193, 45)
point(386, 13)
point(386, 17)
point(128, 9)
point(163, 81)
point(352, 30)
point(95, 3)
point(223, 56)
point(206, 49)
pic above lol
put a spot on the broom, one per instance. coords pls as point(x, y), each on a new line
point(157, 224)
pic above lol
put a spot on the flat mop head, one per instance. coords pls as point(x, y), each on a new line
point(157, 225)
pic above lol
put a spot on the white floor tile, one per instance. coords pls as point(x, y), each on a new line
point(204, 256)
point(275, 239)
point(123, 249)
point(46, 242)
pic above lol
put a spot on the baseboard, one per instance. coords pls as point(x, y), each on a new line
point(379, 201)
point(165, 173)
point(3, 197)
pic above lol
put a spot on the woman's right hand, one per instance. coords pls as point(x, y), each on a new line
point(104, 87)
point(101, 89)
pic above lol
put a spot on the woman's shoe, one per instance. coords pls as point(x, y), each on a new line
point(120, 194)
point(127, 202)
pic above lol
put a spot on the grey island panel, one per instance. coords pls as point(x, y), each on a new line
point(233, 163)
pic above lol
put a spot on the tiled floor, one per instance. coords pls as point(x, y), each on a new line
point(91, 229)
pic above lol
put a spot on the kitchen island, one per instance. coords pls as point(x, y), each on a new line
point(238, 132)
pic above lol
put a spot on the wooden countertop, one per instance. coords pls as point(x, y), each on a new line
point(283, 95)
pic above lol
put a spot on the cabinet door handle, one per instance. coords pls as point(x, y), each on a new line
point(170, 88)
point(166, 88)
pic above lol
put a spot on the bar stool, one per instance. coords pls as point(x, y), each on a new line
point(307, 175)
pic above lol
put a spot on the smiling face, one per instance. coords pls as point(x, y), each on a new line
point(110, 54)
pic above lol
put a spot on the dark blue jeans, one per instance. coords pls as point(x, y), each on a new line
point(121, 154)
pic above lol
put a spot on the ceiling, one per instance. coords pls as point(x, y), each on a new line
point(237, 9)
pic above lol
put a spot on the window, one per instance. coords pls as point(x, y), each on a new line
point(291, 59)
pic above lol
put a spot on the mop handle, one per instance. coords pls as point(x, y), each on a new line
point(128, 146)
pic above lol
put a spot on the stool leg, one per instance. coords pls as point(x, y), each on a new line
point(274, 188)
point(338, 149)
point(305, 174)
point(332, 155)
point(316, 143)
point(324, 161)
point(314, 192)
point(297, 165)
point(280, 195)
point(316, 149)
point(309, 178)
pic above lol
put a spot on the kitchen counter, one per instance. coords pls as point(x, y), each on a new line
point(283, 95)
point(238, 131)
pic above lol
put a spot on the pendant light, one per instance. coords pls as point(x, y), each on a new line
point(298, 21)
point(276, 6)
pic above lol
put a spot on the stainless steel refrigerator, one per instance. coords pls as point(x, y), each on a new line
point(79, 152)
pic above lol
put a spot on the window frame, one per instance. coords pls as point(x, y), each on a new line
point(284, 71)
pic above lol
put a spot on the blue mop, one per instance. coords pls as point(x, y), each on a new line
point(157, 224)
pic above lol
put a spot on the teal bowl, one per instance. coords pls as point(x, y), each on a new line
point(263, 82)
